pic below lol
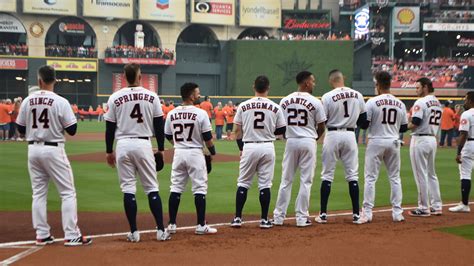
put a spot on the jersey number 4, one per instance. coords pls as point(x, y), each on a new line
point(137, 114)
point(179, 129)
point(293, 120)
point(43, 118)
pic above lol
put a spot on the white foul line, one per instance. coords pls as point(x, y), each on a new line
point(20, 256)
point(32, 242)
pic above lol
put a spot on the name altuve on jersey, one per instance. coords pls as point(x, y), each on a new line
point(299, 101)
point(259, 105)
point(134, 97)
point(184, 116)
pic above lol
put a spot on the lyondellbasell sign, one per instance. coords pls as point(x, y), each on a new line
point(13, 64)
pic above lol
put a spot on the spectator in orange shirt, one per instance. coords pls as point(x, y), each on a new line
point(229, 110)
point(15, 108)
point(75, 110)
point(5, 119)
point(447, 124)
point(171, 106)
point(100, 113)
point(164, 107)
point(91, 112)
point(457, 119)
point(219, 115)
point(207, 106)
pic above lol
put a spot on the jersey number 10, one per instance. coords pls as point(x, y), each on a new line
point(389, 116)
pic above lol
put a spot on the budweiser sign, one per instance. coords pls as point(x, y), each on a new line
point(306, 24)
point(18, 64)
point(408, 84)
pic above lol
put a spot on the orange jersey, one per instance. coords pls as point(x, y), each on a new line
point(220, 115)
point(99, 110)
point(207, 106)
point(75, 109)
point(5, 111)
point(229, 114)
point(165, 110)
point(447, 119)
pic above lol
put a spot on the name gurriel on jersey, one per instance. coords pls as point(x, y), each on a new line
point(134, 97)
point(389, 102)
point(187, 116)
point(267, 106)
point(41, 101)
point(345, 95)
point(299, 101)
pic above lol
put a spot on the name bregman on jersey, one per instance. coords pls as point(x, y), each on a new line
point(345, 95)
point(184, 116)
point(259, 105)
point(299, 101)
point(134, 97)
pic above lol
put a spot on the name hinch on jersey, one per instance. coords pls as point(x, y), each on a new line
point(41, 101)
point(258, 105)
point(345, 95)
point(391, 102)
point(184, 116)
point(299, 101)
point(134, 97)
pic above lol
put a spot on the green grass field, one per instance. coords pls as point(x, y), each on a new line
point(465, 231)
point(98, 189)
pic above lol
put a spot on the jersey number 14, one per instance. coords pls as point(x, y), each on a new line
point(43, 118)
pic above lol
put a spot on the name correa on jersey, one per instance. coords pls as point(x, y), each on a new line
point(345, 95)
point(133, 97)
point(299, 101)
point(259, 105)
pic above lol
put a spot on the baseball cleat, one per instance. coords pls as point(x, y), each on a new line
point(278, 221)
point(322, 218)
point(419, 213)
point(45, 241)
point(398, 218)
point(237, 222)
point(205, 230)
point(360, 219)
point(304, 223)
point(460, 208)
point(171, 228)
point(433, 211)
point(265, 224)
point(133, 237)
point(78, 241)
point(163, 235)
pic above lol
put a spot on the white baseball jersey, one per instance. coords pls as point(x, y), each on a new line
point(429, 110)
point(45, 115)
point(302, 112)
point(259, 117)
point(339, 104)
point(386, 114)
point(467, 123)
point(186, 124)
point(133, 109)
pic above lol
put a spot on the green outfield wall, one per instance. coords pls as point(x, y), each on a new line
point(282, 60)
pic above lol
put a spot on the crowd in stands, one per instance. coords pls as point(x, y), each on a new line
point(127, 51)
point(8, 113)
point(13, 49)
point(438, 70)
point(82, 113)
point(71, 51)
point(320, 36)
point(459, 16)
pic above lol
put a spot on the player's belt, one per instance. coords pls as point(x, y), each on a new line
point(342, 129)
point(470, 139)
point(266, 141)
point(45, 143)
point(424, 135)
point(146, 138)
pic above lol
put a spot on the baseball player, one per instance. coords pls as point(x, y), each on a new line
point(305, 124)
point(188, 127)
point(345, 108)
point(425, 120)
point(134, 114)
point(465, 155)
point(387, 117)
point(257, 122)
point(44, 116)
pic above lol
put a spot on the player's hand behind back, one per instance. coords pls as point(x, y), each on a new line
point(458, 159)
point(111, 159)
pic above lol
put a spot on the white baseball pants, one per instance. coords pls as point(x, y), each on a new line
point(299, 153)
point(467, 158)
point(340, 145)
point(388, 152)
point(422, 155)
point(189, 164)
point(136, 156)
point(257, 158)
point(45, 163)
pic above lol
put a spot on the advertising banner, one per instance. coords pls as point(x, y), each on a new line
point(162, 10)
point(8, 5)
point(305, 20)
point(448, 26)
point(17, 64)
point(77, 66)
point(9, 23)
point(51, 7)
point(436, 84)
point(149, 81)
point(217, 12)
point(260, 13)
point(108, 8)
point(141, 61)
point(406, 19)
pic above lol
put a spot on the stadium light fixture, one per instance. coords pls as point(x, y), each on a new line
point(71, 81)
point(87, 80)
point(65, 79)
point(18, 78)
point(458, 37)
point(79, 80)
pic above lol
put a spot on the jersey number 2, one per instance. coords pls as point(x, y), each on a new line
point(43, 118)
point(136, 113)
point(257, 122)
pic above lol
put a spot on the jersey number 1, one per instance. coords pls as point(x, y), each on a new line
point(43, 118)
point(136, 113)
